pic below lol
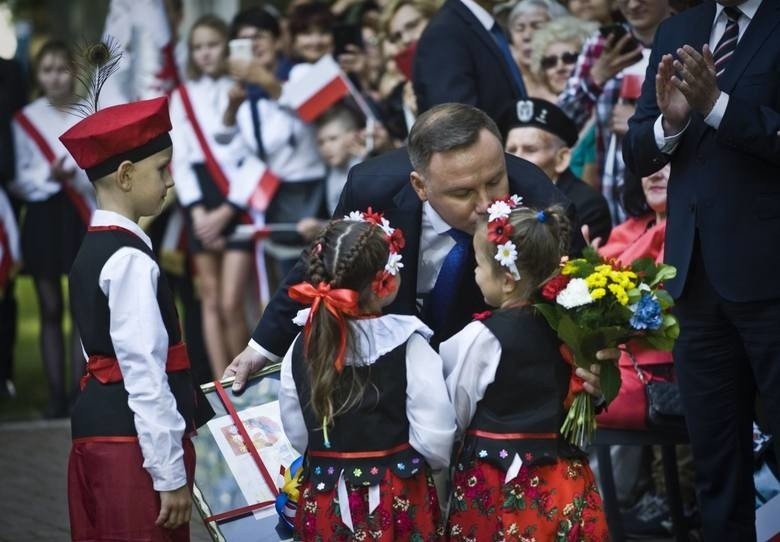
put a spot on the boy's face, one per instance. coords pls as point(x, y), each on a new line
point(336, 144)
point(151, 181)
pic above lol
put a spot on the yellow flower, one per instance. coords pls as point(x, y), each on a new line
point(603, 268)
point(619, 293)
point(598, 293)
point(596, 280)
point(569, 268)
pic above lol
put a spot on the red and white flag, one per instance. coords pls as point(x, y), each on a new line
point(311, 94)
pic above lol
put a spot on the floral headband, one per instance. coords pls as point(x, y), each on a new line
point(500, 232)
point(383, 282)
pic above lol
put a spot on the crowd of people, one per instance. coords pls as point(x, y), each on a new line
point(606, 116)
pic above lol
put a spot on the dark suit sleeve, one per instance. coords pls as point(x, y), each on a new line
point(751, 129)
point(640, 152)
point(442, 69)
point(275, 331)
point(595, 213)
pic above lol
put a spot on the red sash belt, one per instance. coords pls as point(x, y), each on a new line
point(106, 370)
point(360, 455)
point(511, 436)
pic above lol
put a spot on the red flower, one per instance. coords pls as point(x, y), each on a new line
point(499, 230)
point(384, 284)
point(484, 315)
point(554, 286)
point(396, 240)
point(574, 534)
point(371, 216)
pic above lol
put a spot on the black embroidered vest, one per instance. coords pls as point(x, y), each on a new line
point(367, 439)
point(522, 410)
point(102, 409)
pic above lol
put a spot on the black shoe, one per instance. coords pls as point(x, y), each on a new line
point(649, 516)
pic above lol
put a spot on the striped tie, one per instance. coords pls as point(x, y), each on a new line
point(725, 48)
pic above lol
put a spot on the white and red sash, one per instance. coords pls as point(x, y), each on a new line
point(266, 186)
point(79, 201)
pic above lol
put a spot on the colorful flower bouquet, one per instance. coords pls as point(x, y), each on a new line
point(595, 304)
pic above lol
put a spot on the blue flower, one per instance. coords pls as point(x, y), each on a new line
point(647, 314)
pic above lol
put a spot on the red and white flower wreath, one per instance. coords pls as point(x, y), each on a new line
point(384, 282)
point(500, 232)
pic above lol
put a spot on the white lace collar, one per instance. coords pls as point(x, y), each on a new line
point(376, 337)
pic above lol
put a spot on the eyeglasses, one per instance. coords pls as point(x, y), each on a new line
point(551, 61)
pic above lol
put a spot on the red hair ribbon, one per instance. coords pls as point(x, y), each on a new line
point(338, 302)
point(575, 382)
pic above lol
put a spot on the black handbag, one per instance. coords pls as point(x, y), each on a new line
point(664, 405)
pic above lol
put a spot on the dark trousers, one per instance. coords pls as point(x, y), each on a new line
point(725, 353)
point(8, 316)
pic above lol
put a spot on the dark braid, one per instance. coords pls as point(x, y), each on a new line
point(346, 262)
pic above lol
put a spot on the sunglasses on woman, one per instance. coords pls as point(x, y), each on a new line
point(551, 61)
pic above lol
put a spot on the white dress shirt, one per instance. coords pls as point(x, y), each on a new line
point(140, 341)
point(431, 419)
point(33, 180)
point(668, 144)
point(482, 15)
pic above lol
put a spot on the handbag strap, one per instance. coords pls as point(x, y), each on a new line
point(643, 378)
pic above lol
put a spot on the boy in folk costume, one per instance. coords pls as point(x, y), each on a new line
point(132, 462)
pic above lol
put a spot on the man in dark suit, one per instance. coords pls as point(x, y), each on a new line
point(540, 132)
point(711, 107)
point(453, 171)
point(463, 56)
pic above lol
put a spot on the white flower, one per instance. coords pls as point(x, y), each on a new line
point(499, 209)
point(507, 254)
point(393, 263)
point(320, 486)
point(575, 294)
point(385, 225)
point(517, 200)
point(354, 216)
point(483, 453)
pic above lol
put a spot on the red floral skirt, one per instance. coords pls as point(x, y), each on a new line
point(408, 510)
point(557, 502)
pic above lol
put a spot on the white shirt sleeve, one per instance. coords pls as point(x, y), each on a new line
point(666, 145)
point(250, 169)
point(470, 360)
point(715, 116)
point(431, 418)
point(33, 180)
point(254, 345)
point(129, 280)
point(290, 406)
point(187, 187)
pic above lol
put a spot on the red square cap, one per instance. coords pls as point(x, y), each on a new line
point(131, 131)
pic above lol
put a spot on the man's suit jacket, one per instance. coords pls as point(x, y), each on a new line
point(457, 60)
point(724, 183)
point(383, 183)
point(591, 206)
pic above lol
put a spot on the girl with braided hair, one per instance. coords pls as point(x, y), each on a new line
point(363, 395)
point(515, 477)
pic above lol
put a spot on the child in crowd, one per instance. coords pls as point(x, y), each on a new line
point(132, 463)
point(340, 144)
point(363, 394)
point(515, 477)
point(59, 201)
point(206, 178)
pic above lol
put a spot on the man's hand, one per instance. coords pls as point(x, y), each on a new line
point(698, 84)
point(175, 508)
point(595, 243)
point(612, 62)
point(247, 362)
point(672, 103)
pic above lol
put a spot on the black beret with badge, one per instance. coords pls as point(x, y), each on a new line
point(537, 113)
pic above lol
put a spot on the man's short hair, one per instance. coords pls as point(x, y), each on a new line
point(444, 128)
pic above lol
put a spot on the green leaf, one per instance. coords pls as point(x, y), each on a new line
point(571, 334)
point(610, 380)
point(550, 313)
point(659, 342)
point(664, 299)
point(665, 272)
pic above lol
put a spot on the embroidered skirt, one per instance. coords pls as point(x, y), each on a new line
point(408, 510)
point(557, 502)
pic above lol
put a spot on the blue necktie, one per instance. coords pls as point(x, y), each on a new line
point(449, 277)
point(514, 69)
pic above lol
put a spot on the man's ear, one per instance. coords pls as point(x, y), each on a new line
point(418, 183)
point(124, 175)
point(562, 160)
